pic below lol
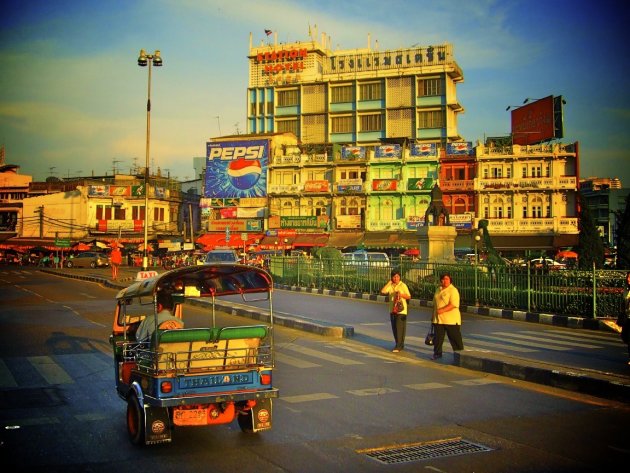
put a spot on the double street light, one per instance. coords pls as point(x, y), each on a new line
point(151, 60)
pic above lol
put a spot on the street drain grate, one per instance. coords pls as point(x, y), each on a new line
point(424, 451)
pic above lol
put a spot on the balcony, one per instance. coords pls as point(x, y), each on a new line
point(288, 160)
point(460, 186)
point(532, 226)
point(525, 183)
point(286, 189)
point(385, 225)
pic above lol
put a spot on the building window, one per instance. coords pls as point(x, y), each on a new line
point(372, 122)
point(350, 207)
point(252, 109)
point(158, 214)
point(285, 126)
point(497, 172)
point(99, 212)
point(269, 108)
point(508, 172)
point(486, 212)
point(287, 98)
point(509, 212)
point(371, 91)
point(548, 211)
point(432, 119)
point(137, 212)
point(119, 213)
point(524, 171)
point(342, 124)
point(429, 87)
point(341, 94)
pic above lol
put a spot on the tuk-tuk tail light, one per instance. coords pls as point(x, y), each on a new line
point(166, 386)
point(265, 377)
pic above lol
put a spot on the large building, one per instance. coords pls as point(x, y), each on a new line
point(369, 125)
point(374, 132)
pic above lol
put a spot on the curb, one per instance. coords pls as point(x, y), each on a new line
point(594, 383)
point(299, 323)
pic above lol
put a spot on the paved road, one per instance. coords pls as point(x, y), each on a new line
point(583, 360)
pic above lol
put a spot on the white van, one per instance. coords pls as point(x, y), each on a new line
point(366, 258)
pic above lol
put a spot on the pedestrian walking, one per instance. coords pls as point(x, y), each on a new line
point(447, 318)
point(398, 293)
point(623, 319)
point(116, 261)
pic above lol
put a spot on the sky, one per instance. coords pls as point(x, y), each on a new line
point(73, 98)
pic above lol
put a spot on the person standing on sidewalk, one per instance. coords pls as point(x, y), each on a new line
point(116, 261)
point(446, 316)
point(398, 293)
point(623, 319)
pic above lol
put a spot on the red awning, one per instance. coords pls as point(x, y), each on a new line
point(276, 243)
point(310, 239)
point(213, 240)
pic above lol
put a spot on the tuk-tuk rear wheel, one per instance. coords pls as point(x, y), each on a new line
point(135, 420)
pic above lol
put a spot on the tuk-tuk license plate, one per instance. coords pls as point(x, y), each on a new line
point(190, 416)
point(215, 380)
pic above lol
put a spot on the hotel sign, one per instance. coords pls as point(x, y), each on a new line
point(429, 56)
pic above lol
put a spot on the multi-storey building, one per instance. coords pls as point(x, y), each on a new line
point(529, 195)
point(604, 198)
point(105, 208)
point(361, 116)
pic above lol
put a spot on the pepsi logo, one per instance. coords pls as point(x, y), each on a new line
point(244, 173)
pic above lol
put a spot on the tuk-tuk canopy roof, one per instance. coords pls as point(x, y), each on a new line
point(203, 280)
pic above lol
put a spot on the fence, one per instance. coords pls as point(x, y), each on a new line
point(591, 294)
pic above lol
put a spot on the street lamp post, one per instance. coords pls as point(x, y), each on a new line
point(145, 59)
point(477, 239)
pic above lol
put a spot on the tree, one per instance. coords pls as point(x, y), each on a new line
point(622, 238)
point(590, 247)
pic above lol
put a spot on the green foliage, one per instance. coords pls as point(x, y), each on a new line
point(493, 258)
point(590, 247)
point(622, 240)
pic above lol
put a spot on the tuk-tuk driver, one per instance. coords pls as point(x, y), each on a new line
point(165, 317)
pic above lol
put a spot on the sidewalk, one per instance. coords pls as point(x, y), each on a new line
point(614, 386)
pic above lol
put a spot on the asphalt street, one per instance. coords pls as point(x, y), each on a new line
point(606, 375)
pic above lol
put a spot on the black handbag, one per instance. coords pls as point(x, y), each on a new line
point(430, 338)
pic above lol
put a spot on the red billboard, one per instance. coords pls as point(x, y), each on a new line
point(534, 122)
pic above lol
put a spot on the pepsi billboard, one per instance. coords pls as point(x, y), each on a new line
point(236, 169)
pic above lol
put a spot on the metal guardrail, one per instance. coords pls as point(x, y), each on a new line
point(589, 294)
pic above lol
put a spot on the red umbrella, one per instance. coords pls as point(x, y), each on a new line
point(567, 254)
point(412, 252)
point(81, 247)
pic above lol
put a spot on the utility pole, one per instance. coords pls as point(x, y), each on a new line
point(40, 211)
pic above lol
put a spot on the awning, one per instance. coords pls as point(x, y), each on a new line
point(213, 240)
point(276, 243)
point(380, 240)
point(522, 242)
point(344, 239)
point(408, 240)
point(311, 239)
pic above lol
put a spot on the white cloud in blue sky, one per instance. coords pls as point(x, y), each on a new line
point(72, 97)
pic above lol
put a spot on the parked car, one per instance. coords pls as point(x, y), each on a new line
point(222, 256)
point(541, 263)
point(365, 258)
point(88, 259)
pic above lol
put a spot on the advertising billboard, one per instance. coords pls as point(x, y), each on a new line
point(236, 169)
point(534, 122)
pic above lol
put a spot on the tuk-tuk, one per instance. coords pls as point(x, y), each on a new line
point(194, 376)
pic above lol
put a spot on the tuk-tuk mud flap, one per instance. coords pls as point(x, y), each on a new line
point(157, 425)
point(261, 413)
